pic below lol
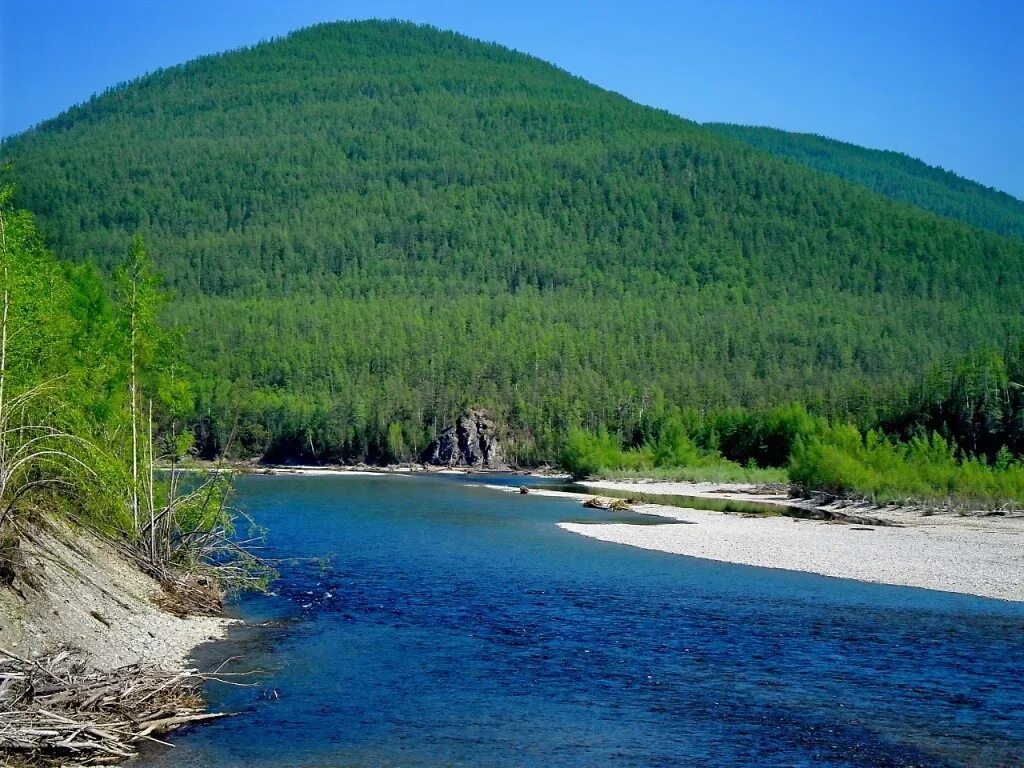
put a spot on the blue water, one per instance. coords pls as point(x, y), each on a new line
point(421, 621)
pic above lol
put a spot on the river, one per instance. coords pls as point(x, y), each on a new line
point(431, 621)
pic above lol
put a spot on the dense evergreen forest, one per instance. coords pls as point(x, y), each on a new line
point(369, 226)
point(892, 174)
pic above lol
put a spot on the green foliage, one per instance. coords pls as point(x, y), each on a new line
point(397, 449)
point(375, 224)
point(153, 345)
point(585, 454)
point(842, 461)
point(55, 368)
point(668, 452)
point(977, 404)
point(707, 472)
point(786, 442)
point(67, 355)
point(891, 174)
point(765, 438)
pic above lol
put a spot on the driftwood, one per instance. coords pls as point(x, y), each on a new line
point(602, 502)
point(55, 710)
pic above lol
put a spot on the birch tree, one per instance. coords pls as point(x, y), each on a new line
point(139, 297)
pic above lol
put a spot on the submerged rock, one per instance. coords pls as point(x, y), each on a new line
point(474, 441)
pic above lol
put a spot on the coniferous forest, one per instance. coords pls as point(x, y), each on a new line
point(369, 226)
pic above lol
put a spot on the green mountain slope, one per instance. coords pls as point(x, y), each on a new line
point(891, 174)
point(370, 225)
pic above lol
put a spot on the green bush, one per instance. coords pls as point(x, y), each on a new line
point(925, 468)
point(766, 438)
point(585, 454)
point(670, 454)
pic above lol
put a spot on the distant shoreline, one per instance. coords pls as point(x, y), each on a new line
point(254, 468)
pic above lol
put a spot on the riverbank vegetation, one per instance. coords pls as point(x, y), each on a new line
point(92, 395)
point(956, 439)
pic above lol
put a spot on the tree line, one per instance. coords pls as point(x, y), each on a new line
point(955, 438)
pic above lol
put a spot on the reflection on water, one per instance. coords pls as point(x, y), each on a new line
point(431, 622)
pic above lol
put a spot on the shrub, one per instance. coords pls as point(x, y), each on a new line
point(925, 468)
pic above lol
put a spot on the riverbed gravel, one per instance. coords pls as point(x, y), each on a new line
point(974, 555)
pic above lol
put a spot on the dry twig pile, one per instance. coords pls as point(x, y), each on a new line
point(57, 710)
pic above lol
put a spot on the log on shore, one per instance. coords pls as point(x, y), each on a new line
point(603, 502)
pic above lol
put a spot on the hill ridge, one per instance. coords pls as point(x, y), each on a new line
point(890, 173)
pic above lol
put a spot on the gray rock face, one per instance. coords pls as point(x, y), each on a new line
point(474, 441)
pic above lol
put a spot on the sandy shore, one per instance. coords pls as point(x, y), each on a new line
point(981, 556)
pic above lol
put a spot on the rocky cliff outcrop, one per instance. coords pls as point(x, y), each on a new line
point(474, 441)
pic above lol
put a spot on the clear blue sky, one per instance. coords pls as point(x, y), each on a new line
point(942, 80)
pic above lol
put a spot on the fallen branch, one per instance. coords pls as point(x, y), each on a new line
point(602, 502)
point(55, 710)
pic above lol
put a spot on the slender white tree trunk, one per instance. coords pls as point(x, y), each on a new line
point(152, 497)
point(3, 357)
point(135, 416)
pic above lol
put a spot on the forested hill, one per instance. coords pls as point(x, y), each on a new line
point(371, 225)
point(892, 174)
